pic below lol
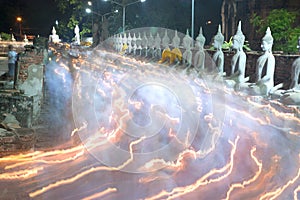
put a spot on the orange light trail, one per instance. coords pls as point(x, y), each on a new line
point(274, 194)
point(101, 194)
point(204, 180)
point(251, 180)
point(84, 173)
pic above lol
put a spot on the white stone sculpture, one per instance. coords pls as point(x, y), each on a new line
point(54, 38)
point(157, 42)
point(13, 38)
point(199, 58)
point(145, 44)
point(134, 45)
point(264, 83)
point(139, 44)
point(238, 61)
point(187, 55)
point(176, 40)
point(151, 44)
point(165, 40)
point(77, 35)
point(218, 56)
point(129, 43)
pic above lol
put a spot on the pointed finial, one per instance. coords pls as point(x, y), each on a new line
point(219, 36)
point(200, 31)
point(201, 39)
point(187, 32)
point(268, 36)
point(239, 36)
point(219, 29)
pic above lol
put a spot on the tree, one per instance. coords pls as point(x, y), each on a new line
point(74, 14)
point(283, 27)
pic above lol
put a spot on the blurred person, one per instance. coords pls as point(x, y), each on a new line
point(12, 60)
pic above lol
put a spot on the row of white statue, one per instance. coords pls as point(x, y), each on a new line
point(54, 38)
point(129, 43)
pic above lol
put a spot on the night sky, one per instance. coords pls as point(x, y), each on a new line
point(39, 15)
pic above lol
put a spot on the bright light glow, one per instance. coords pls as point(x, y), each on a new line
point(89, 3)
point(88, 10)
point(143, 0)
point(19, 19)
point(116, 11)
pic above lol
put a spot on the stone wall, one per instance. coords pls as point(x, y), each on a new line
point(22, 139)
point(31, 79)
point(18, 105)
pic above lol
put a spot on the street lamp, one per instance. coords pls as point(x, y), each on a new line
point(88, 10)
point(19, 20)
point(124, 5)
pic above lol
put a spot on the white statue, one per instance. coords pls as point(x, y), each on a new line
point(25, 38)
point(292, 96)
point(151, 44)
point(176, 40)
point(119, 43)
point(134, 45)
point(157, 42)
point(264, 83)
point(129, 43)
point(165, 41)
point(199, 58)
point(218, 56)
point(139, 43)
point(238, 61)
point(77, 35)
point(145, 44)
point(54, 37)
point(187, 55)
point(13, 38)
point(295, 75)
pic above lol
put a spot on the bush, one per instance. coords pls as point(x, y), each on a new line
point(5, 36)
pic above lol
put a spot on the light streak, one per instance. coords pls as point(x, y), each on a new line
point(274, 194)
point(204, 180)
point(296, 192)
point(101, 194)
point(246, 182)
point(84, 173)
point(22, 174)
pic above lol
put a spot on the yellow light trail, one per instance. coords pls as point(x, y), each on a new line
point(84, 173)
point(179, 191)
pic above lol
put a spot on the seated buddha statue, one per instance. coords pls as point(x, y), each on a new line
point(199, 58)
point(218, 56)
point(265, 63)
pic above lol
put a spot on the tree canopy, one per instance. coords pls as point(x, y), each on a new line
point(284, 29)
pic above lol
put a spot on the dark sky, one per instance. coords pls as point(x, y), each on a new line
point(39, 15)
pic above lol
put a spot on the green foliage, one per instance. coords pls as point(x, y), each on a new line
point(74, 11)
point(227, 45)
point(282, 25)
point(5, 36)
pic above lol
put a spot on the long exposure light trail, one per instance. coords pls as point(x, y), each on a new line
point(145, 130)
